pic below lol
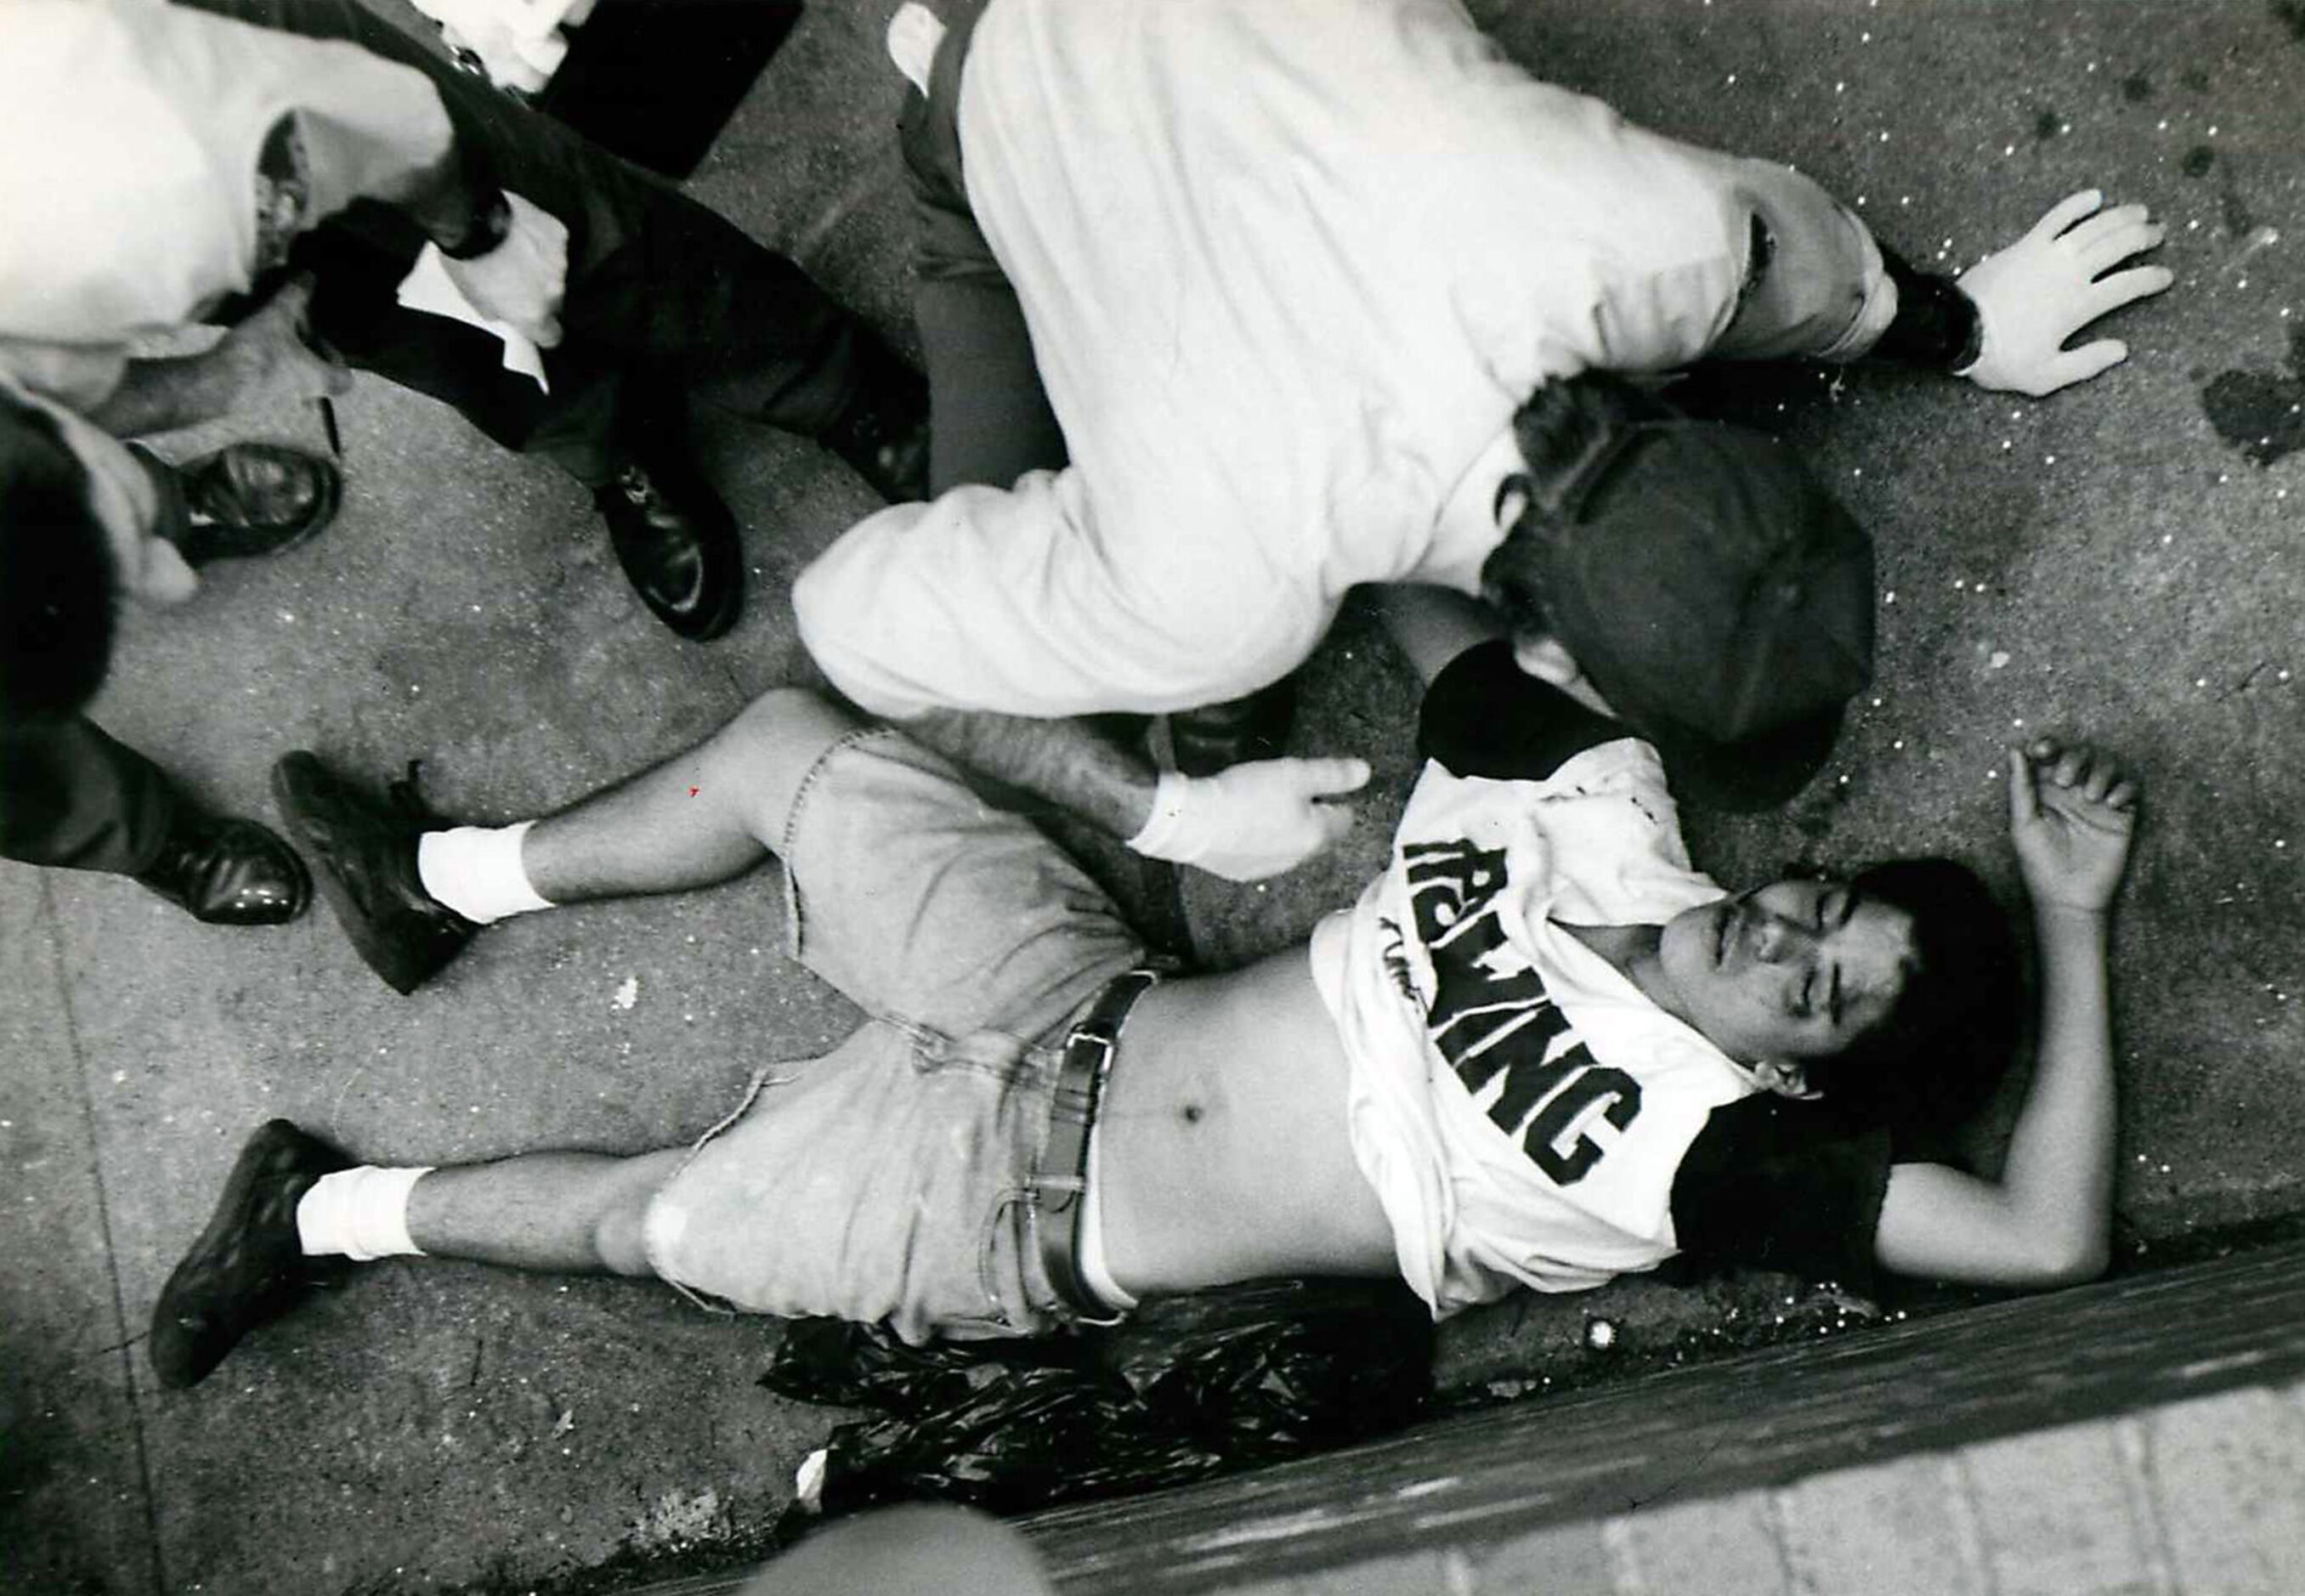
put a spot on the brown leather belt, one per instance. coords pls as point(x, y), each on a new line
point(1060, 1182)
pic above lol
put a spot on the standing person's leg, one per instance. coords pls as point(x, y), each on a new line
point(664, 298)
point(246, 501)
point(84, 523)
point(745, 330)
point(72, 798)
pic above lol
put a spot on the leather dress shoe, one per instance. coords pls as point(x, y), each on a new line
point(364, 853)
point(248, 1266)
point(883, 433)
point(1219, 736)
point(227, 871)
point(251, 499)
point(677, 543)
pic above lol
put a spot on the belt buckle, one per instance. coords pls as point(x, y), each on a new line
point(1079, 1097)
point(1059, 1194)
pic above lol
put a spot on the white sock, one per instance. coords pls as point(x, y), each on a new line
point(476, 870)
point(914, 32)
point(359, 1214)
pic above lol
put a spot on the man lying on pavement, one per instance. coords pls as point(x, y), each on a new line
point(1540, 1049)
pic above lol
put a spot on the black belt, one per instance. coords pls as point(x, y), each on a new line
point(1061, 1180)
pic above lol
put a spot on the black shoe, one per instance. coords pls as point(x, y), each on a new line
point(228, 872)
point(253, 499)
point(248, 1266)
point(883, 435)
point(365, 854)
point(1220, 736)
point(677, 543)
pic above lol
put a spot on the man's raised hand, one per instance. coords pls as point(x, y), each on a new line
point(522, 280)
point(1254, 821)
point(2072, 814)
point(2033, 295)
point(268, 359)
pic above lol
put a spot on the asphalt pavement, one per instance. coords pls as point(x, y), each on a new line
point(2120, 562)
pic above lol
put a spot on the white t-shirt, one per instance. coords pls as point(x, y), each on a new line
point(133, 134)
point(1520, 1106)
point(1289, 266)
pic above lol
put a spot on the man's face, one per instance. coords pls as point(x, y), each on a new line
point(1789, 972)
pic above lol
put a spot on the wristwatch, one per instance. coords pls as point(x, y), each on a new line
point(487, 227)
point(1936, 324)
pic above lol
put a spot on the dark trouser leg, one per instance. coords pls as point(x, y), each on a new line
point(1216, 737)
point(174, 518)
point(990, 420)
point(73, 798)
point(660, 288)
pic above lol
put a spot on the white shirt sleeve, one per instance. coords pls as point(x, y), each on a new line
point(134, 131)
point(1009, 601)
point(1824, 294)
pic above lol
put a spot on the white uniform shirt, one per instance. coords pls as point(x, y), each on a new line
point(1520, 1106)
point(1289, 266)
point(133, 134)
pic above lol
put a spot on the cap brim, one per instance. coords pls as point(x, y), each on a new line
point(1757, 773)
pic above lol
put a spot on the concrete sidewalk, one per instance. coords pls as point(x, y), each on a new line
point(2087, 1442)
point(2120, 561)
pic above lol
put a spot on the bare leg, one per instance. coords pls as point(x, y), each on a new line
point(576, 1213)
point(700, 817)
point(557, 1212)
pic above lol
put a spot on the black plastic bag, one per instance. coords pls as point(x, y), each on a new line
point(1188, 1385)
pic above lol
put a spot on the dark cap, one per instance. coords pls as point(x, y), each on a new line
point(1718, 598)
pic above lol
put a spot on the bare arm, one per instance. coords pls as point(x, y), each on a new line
point(1433, 625)
point(2046, 1220)
point(1069, 763)
point(163, 395)
point(264, 361)
point(1244, 824)
point(930, 614)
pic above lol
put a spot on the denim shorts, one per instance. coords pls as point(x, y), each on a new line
point(893, 1182)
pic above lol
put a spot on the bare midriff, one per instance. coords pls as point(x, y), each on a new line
point(1223, 1152)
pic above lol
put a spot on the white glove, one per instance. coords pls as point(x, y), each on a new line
point(2046, 286)
point(517, 42)
point(1253, 820)
point(521, 280)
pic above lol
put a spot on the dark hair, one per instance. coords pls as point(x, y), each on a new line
point(58, 575)
point(1560, 429)
point(1932, 1061)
